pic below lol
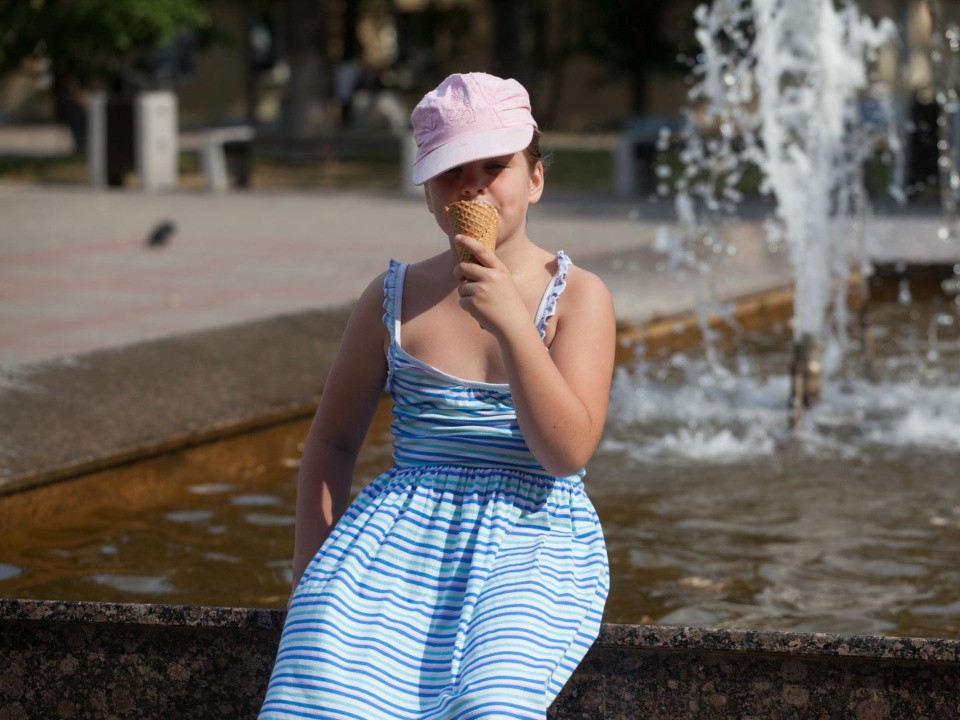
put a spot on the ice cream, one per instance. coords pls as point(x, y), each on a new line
point(479, 220)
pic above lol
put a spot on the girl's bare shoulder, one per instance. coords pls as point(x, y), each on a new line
point(429, 266)
point(366, 318)
point(586, 291)
point(373, 295)
point(424, 277)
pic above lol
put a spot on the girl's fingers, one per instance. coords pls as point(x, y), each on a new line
point(484, 255)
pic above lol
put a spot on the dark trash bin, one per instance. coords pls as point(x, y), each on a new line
point(120, 140)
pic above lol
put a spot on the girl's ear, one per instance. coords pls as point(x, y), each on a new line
point(536, 183)
point(426, 196)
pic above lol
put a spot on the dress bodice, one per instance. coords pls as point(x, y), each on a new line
point(440, 419)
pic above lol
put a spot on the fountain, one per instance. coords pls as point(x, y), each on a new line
point(785, 88)
point(946, 74)
point(781, 83)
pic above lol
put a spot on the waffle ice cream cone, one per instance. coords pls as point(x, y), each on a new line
point(479, 220)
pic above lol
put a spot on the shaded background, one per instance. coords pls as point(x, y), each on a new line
point(308, 73)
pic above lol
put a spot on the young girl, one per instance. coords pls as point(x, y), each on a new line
point(468, 580)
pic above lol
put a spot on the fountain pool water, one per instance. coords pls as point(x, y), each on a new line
point(718, 514)
point(714, 513)
point(845, 523)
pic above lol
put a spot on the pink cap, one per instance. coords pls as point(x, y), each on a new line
point(469, 117)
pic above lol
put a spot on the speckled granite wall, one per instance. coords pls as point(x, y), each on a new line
point(97, 660)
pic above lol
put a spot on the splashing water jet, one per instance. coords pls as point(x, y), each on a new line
point(944, 62)
point(781, 82)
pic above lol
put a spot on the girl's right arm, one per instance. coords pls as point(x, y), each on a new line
point(350, 396)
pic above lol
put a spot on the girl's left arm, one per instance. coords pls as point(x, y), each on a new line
point(560, 394)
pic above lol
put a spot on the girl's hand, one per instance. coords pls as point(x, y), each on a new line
point(487, 290)
point(560, 394)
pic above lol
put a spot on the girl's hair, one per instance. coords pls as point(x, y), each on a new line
point(535, 154)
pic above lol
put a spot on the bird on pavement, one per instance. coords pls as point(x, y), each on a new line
point(161, 233)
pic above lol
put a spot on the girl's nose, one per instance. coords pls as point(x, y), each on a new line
point(472, 183)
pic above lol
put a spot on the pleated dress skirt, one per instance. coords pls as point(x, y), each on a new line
point(463, 583)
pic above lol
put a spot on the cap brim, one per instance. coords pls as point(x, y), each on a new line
point(487, 144)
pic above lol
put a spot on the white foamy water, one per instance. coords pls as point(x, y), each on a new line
point(705, 418)
point(935, 425)
point(685, 410)
point(708, 445)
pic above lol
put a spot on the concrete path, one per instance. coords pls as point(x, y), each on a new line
point(76, 274)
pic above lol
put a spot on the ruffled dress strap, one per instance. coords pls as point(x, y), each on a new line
point(392, 299)
point(548, 305)
point(391, 302)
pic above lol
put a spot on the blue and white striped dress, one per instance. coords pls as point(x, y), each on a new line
point(463, 583)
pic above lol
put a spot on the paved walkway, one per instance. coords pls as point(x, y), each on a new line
point(76, 274)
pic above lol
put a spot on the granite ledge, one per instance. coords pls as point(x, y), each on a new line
point(639, 637)
point(93, 613)
point(877, 647)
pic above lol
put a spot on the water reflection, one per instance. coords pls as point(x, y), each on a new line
point(849, 525)
point(714, 513)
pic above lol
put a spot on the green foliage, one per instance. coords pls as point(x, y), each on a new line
point(92, 40)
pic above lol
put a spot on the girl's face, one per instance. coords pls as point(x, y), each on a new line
point(506, 182)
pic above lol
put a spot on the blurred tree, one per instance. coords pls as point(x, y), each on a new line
point(308, 28)
point(633, 38)
point(512, 46)
point(529, 44)
point(91, 43)
point(351, 19)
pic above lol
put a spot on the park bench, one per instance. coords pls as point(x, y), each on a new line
point(227, 149)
